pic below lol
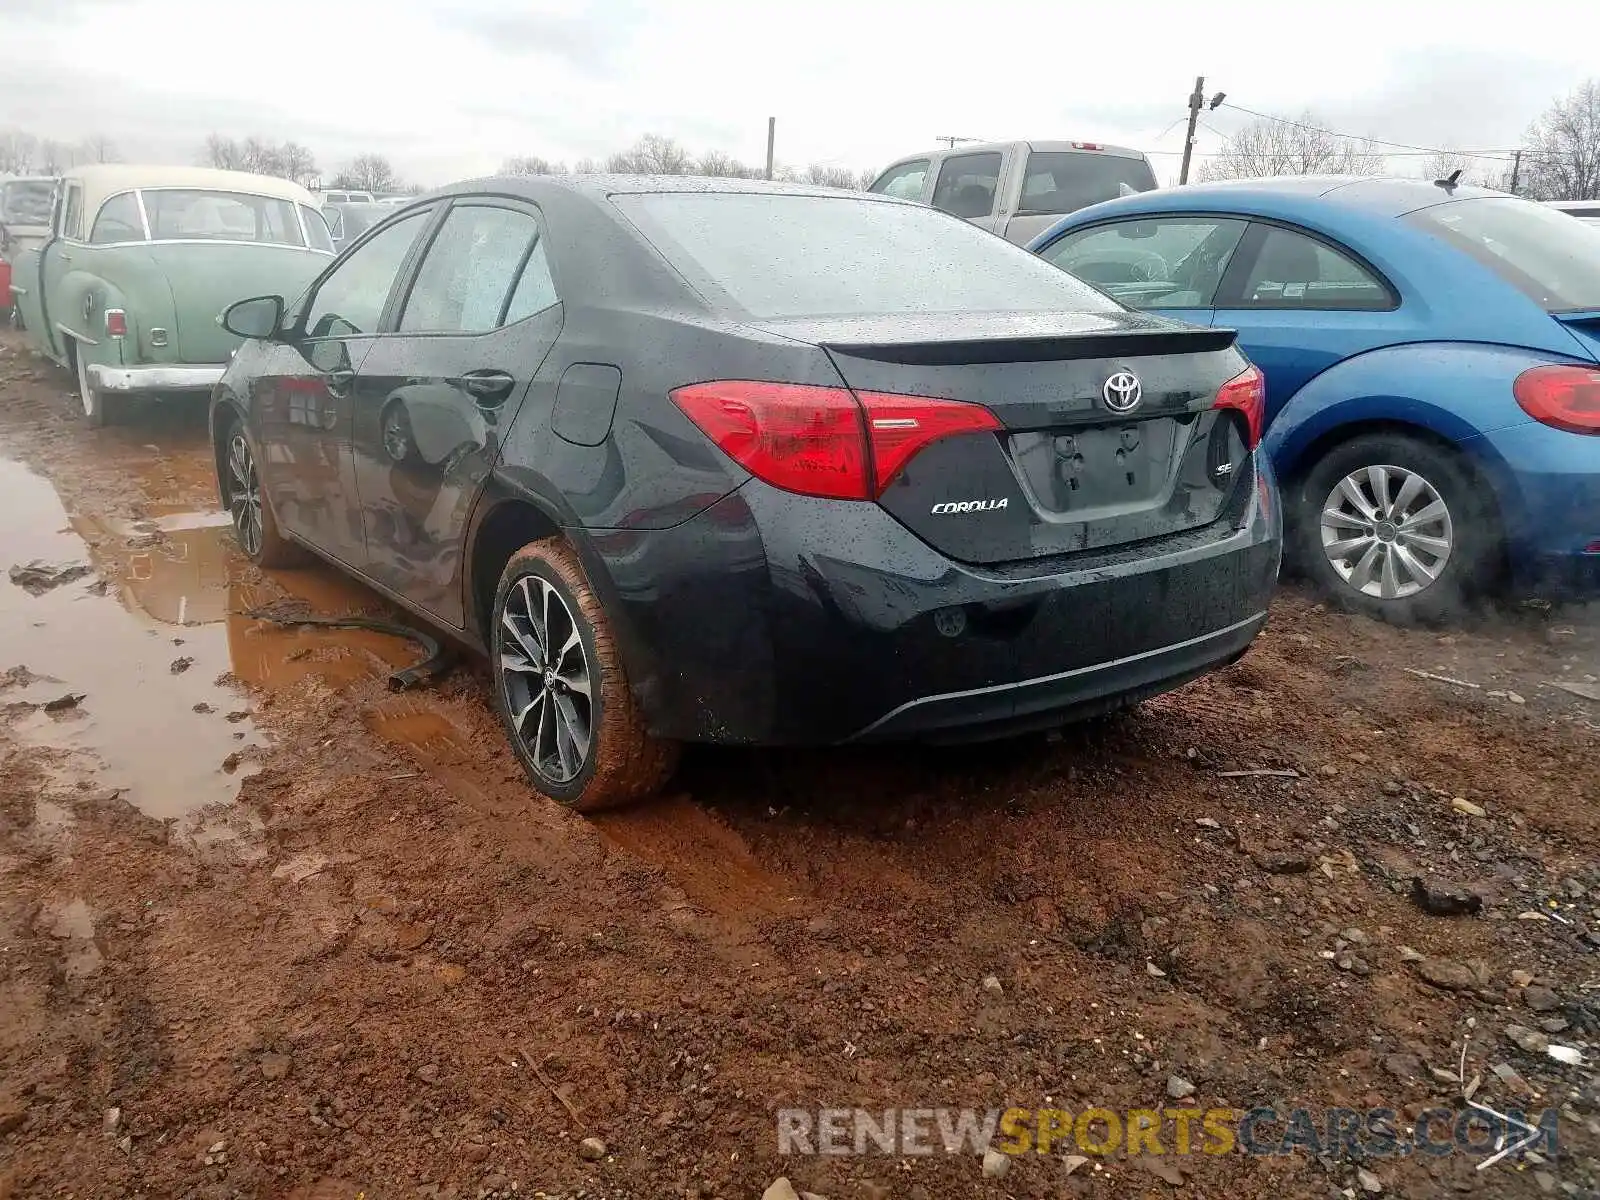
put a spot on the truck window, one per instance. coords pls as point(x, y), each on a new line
point(904, 181)
point(967, 184)
point(1063, 181)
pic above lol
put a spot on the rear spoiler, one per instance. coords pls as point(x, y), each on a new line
point(1045, 348)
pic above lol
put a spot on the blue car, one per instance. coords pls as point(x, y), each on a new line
point(1430, 353)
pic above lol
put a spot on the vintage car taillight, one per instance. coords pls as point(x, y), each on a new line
point(116, 323)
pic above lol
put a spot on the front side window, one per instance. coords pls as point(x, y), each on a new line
point(316, 229)
point(1152, 262)
point(352, 297)
point(1551, 258)
point(1294, 270)
point(468, 273)
point(118, 221)
point(811, 256)
point(967, 184)
point(1065, 181)
point(190, 214)
point(904, 182)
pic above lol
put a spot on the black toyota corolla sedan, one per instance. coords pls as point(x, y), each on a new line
point(733, 462)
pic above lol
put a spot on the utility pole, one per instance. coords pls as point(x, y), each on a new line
point(772, 133)
point(1516, 170)
point(951, 141)
point(1196, 99)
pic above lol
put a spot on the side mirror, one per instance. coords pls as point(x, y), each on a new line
point(260, 317)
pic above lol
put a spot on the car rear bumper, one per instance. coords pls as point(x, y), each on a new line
point(1548, 484)
point(772, 618)
point(155, 378)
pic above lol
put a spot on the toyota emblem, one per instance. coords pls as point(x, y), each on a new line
point(1122, 392)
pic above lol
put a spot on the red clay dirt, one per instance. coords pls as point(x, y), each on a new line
point(309, 938)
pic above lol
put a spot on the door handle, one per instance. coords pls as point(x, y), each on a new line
point(487, 386)
point(339, 381)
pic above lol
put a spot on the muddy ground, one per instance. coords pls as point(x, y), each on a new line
point(268, 929)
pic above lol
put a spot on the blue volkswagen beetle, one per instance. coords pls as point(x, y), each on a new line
point(1430, 353)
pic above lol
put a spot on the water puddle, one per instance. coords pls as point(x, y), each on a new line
point(135, 673)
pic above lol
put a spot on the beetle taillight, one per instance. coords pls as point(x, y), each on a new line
point(116, 323)
point(1560, 396)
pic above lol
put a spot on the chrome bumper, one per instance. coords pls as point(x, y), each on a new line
point(154, 378)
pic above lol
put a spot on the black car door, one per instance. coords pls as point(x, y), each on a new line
point(433, 397)
point(302, 400)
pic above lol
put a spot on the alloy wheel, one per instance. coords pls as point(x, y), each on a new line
point(1386, 531)
point(546, 677)
point(244, 494)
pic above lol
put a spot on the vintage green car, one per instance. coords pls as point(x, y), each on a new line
point(141, 261)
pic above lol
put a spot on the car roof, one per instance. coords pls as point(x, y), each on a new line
point(1033, 144)
point(103, 180)
point(1378, 195)
point(599, 186)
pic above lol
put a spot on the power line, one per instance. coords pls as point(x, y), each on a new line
point(1493, 155)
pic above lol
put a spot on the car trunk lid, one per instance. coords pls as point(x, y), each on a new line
point(206, 278)
point(1066, 471)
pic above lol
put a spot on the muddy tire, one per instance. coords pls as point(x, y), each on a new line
point(561, 690)
point(254, 525)
point(1395, 527)
point(95, 402)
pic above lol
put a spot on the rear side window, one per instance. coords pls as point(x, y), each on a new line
point(469, 271)
point(1542, 251)
point(792, 256)
point(118, 221)
point(72, 214)
point(904, 182)
point(1065, 181)
point(1293, 270)
point(1152, 262)
point(535, 290)
point(967, 184)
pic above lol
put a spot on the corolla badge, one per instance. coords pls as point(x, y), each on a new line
point(967, 506)
point(1122, 392)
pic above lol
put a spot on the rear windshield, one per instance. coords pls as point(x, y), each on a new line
point(1542, 251)
point(26, 202)
point(1065, 181)
point(190, 214)
point(813, 256)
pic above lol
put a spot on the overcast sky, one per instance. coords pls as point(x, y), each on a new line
point(449, 90)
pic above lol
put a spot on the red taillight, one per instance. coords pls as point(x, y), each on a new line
point(1247, 392)
point(1563, 397)
point(822, 441)
point(116, 323)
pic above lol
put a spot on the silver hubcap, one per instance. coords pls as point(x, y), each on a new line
point(397, 435)
point(1386, 531)
point(244, 495)
point(546, 677)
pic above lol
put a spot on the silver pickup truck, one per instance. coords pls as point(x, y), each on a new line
point(1018, 189)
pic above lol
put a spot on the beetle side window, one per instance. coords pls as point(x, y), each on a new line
point(1152, 262)
point(119, 221)
point(469, 271)
point(904, 181)
point(967, 184)
point(351, 298)
point(1293, 270)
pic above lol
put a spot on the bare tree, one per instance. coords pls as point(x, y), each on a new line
point(587, 166)
point(839, 177)
point(1267, 147)
point(296, 163)
point(370, 173)
point(652, 154)
point(18, 152)
point(97, 148)
point(718, 164)
point(54, 158)
point(1563, 152)
point(531, 164)
point(866, 179)
point(222, 153)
